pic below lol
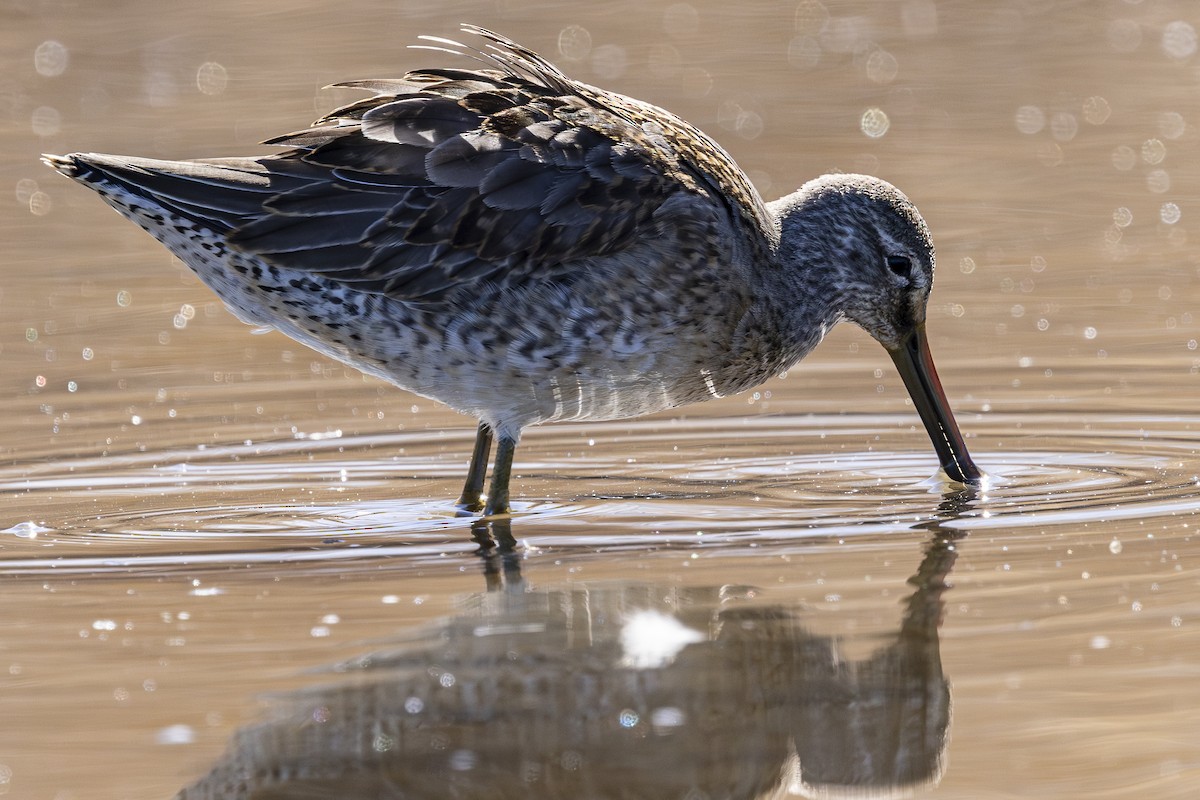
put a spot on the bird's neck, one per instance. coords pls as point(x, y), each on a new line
point(802, 306)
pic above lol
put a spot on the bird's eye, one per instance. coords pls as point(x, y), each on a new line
point(900, 265)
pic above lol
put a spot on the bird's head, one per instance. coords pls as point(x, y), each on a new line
point(867, 249)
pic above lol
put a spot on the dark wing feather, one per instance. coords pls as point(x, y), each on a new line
point(446, 177)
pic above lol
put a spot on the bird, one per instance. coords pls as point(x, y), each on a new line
point(525, 248)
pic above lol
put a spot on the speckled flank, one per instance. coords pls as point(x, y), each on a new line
point(525, 248)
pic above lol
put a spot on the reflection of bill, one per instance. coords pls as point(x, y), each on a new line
point(614, 691)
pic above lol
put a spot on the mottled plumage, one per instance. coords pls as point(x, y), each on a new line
point(526, 248)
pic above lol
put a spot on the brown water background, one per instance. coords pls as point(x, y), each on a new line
point(193, 518)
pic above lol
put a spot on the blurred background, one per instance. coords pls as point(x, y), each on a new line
point(159, 460)
point(1050, 145)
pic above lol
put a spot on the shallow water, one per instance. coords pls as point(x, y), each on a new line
point(222, 555)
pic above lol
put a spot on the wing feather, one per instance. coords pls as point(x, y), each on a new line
point(446, 178)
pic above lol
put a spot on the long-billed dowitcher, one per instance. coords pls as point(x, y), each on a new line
point(524, 248)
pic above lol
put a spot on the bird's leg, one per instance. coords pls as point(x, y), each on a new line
point(501, 472)
point(472, 494)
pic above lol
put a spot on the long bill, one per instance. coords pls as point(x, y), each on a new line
point(915, 364)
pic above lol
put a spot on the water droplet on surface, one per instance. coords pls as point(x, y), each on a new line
point(1115, 547)
point(1122, 217)
point(51, 58)
point(875, 122)
point(124, 298)
point(1169, 213)
point(1089, 332)
point(966, 265)
point(1100, 643)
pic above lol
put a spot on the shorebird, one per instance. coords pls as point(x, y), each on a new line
point(525, 248)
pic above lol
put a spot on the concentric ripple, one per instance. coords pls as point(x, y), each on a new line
point(704, 481)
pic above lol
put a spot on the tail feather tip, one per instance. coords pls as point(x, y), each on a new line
point(67, 165)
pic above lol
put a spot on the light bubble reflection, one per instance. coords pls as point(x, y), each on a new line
point(1063, 126)
point(1179, 40)
point(1096, 110)
point(39, 204)
point(574, 43)
point(609, 61)
point(1124, 35)
point(1171, 124)
point(811, 17)
point(25, 189)
point(211, 78)
point(804, 52)
point(882, 67)
point(1158, 181)
point(1030, 119)
point(919, 18)
point(875, 122)
point(681, 19)
point(175, 734)
point(1124, 158)
point(51, 58)
point(46, 121)
point(1153, 151)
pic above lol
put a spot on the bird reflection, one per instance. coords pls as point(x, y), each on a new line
point(616, 691)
